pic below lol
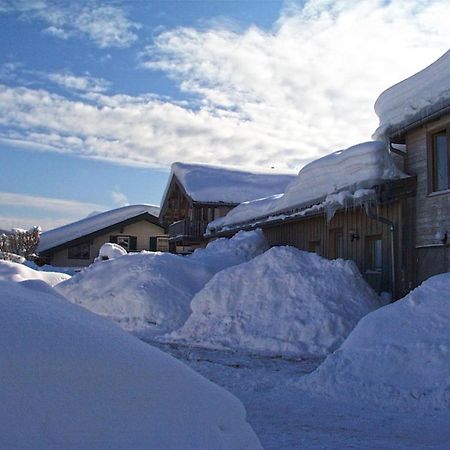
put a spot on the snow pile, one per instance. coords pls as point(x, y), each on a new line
point(204, 183)
point(11, 271)
point(91, 224)
point(145, 291)
point(283, 302)
point(73, 380)
point(415, 98)
point(354, 169)
point(111, 251)
point(398, 355)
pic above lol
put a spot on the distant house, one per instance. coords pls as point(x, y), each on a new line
point(77, 244)
point(197, 194)
point(415, 124)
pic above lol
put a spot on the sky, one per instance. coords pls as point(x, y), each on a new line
point(98, 98)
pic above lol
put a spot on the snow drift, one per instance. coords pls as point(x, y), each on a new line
point(354, 169)
point(73, 380)
point(11, 271)
point(145, 291)
point(284, 302)
point(398, 355)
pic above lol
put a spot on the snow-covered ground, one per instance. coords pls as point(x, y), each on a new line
point(72, 380)
point(301, 305)
point(151, 292)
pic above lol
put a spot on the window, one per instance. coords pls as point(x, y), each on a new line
point(374, 253)
point(314, 247)
point(80, 251)
point(129, 243)
point(439, 161)
point(336, 243)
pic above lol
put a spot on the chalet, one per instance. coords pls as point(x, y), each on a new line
point(384, 204)
point(197, 194)
point(77, 244)
point(415, 123)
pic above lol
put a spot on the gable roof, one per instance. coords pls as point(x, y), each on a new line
point(96, 223)
point(213, 184)
point(420, 98)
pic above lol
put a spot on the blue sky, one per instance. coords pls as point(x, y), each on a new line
point(98, 98)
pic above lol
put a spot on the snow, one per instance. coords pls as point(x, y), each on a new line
point(111, 251)
point(354, 170)
point(11, 271)
point(91, 224)
point(302, 305)
point(73, 380)
point(397, 356)
point(147, 291)
point(415, 98)
point(205, 183)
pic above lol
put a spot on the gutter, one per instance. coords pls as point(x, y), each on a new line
point(392, 228)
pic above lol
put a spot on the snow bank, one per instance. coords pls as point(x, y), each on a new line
point(149, 290)
point(91, 224)
point(206, 183)
point(11, 271)
point(283, 302)
point(73, 380)
point(398, 355)
point(415, 98)
point(111, 251)
point(354, 169)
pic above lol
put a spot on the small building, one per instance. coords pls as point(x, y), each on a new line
point(196, 194)
point(77, 244)
point(415, 123)
point(352, 204)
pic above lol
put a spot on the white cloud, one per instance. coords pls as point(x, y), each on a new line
point(104, 24)
point(71, 208)
point(9, 222)
point(260, 98)
point(84, 83)
point(119, 198)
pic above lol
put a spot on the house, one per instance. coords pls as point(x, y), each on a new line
point(383, 204)
point(197, 194)
point(415, 123)
point(352, 204)
point(77, 244)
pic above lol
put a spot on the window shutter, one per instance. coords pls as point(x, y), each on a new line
point(133, 243)
point(113, 239)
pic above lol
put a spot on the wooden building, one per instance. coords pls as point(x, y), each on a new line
point(197, 194)
point(77, 244)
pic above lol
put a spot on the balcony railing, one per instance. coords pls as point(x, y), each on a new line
point(188, 228)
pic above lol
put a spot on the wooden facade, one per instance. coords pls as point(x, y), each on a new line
point(186, 219)
point(432, 205)
point(378, 238)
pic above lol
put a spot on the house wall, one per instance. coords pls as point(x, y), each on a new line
point(356, 229)
point(432, 209)
point(142, 230)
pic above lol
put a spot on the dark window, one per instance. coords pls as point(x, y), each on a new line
point(129, 243)
point(314, 247)
point(374, 253)
point(80, 251)
point(153, 244)
point(336, 243)
point(439, 161)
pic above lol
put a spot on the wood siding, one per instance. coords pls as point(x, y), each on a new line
point(351, 233)
point(432, 209)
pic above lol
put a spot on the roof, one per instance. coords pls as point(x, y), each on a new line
point(421, 97)
point(95, 223)
point(338, 178)
point(213, 184)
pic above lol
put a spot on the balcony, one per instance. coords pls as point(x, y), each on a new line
point(188, 229)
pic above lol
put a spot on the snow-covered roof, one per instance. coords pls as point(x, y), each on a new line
point(414, 99)
point(92, 224)
point(213, 184)
point(353, 170)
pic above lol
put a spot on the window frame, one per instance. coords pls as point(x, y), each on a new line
point(71, 255)
point(371, 253)
point(431, 163)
